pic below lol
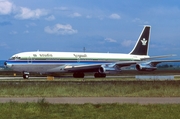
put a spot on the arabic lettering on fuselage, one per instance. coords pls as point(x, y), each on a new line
point(46, 55)
point(80, 55)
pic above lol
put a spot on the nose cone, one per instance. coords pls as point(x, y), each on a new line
point(7, 65)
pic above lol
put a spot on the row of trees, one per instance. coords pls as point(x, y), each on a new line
point(168, 66)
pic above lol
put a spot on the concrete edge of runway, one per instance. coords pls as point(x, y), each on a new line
point(94, 100)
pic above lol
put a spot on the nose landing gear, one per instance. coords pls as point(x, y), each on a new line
point(26, 75)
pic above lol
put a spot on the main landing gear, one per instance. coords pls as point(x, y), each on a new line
point(81, 75)
point(78, 75)
point(99, 75)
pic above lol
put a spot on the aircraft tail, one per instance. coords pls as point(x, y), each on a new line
point(142, 45)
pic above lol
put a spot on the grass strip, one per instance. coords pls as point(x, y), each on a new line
point(90, 89)
point(45, 110)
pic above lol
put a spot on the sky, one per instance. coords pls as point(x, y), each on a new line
point(92, 25)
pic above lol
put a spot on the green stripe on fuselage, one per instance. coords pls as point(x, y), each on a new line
point(70, 58)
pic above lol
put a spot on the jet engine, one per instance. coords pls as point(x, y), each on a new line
point(109, 69)
point(145, 67)
point(101, 70)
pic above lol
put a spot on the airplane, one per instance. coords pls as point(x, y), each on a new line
point(79, 63)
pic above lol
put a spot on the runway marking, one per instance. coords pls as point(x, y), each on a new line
point(95, 100)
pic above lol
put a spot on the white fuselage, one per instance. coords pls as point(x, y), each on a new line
point(76, 56)
point(57, 61)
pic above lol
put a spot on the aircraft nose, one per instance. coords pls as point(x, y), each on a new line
point(7, 65)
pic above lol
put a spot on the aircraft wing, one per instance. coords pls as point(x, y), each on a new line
point(126, 63)
point(147, 61)
point(73, 68)
point(145, 64)
point(155, 62)
point(96, 67)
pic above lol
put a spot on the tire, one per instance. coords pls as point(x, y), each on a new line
point(25, 76)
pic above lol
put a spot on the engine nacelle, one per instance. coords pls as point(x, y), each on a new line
point(108, 70)
point(145, 67)
point(101, 70)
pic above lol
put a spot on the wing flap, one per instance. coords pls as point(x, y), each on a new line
point(126, 63)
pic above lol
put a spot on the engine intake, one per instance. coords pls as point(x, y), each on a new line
point(108, 69)
point(102, 70)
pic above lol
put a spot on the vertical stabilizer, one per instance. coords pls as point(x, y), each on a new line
point(141, 47)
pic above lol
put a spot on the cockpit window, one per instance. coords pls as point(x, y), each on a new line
point(12, 58)
point(15, 58)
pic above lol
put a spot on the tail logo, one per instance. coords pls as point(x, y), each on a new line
point(144, 41)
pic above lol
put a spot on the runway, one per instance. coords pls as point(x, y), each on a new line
point(95, 100)
point(86, 77)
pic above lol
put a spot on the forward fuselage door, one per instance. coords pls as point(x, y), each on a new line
point(29, 60)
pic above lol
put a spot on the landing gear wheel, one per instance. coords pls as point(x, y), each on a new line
point(99, 75)
point(25, 76)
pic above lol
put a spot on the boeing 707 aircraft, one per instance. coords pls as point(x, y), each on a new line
point(79, 63)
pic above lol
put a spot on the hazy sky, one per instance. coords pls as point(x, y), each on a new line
point(97, 25)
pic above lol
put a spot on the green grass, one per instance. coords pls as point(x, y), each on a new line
point(79, 88)
point(44, 110)
point(90, 89)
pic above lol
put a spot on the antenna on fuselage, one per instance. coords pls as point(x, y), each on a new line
point(84, 49)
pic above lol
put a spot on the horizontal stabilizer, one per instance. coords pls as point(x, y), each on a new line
point(156, 57)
